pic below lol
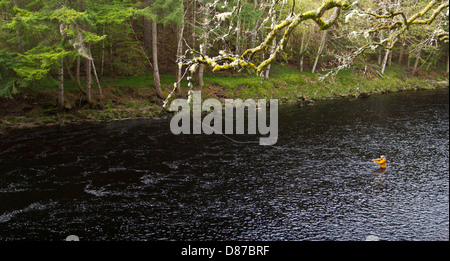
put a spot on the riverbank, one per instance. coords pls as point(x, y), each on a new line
point(134, 97)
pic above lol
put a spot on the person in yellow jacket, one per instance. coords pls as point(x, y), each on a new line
point(381, 161)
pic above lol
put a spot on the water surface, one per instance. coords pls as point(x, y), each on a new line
point(135, 180)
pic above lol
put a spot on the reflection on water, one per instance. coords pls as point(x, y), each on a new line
point(135, 180)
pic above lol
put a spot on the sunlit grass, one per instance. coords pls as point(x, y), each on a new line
point(284, 83)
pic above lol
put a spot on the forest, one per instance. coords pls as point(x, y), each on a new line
point(61, 56)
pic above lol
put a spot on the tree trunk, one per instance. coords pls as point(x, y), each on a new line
point(147, 28)
point(380, 57)
point(238, 36)
point(102, 65)
point(303, 47)
point(319, 52)
point(389, 57)
point(179, 53)
point(88, 76)
point(409, 60)
point(75, 80)
point(96, 77)
point(389, 62)
point(301, 63)
point(301, 52)
point(203, 43)
point(156, 79)
point(194, 21)
point(448, 59)
point(386, 58)
point(254, 33)
point(267, 71)
point(19, 40)
point(111, 60)
point(380, 52)
point(61, 86)
point(201, 67)
point(416, 63)
point(400, 57)
point(385, 61)
point(77, 70)
point(272, 48)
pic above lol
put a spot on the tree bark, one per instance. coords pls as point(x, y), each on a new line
point(385, 61)
point(88, 76)
point(147, 28)
point(380, 57)
point(387, 55)
point(416, 63)
point(75, 80)
point(238, 36)
point(194, 22)
point(102, 65)
point(77, 70)
point(301, 52)
point(303, 47)
point(400, 57)
point(156, 79)
point(389, 62)
point(111, 60)
point(179, 53)
point(319, 52)
point(380, 52)
point(19, 40)
point(201, 67)
point(96, 77)
point(409, 61)
point(254, 33)
point(61, 86)
point(448, 59)
point(272, 48)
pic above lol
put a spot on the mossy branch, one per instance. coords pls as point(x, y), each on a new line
point(433, 16)
point(291, 23)
point(397, 28)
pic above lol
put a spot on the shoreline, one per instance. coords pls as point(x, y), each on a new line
point(135, 98)
point(93, 116)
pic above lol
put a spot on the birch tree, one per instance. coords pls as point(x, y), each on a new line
point(163, 12)
point(397, 22)
point(319, 51)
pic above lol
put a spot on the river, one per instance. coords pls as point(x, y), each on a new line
point(135, 180)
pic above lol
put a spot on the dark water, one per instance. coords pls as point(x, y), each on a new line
point(135, 180)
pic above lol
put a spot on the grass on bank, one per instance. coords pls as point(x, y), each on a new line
point(132, 97)
point(284, 83)
point(288, 84)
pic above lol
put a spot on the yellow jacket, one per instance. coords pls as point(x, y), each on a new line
point(381, 161)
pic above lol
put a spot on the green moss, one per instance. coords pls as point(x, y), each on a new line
point(133, 104)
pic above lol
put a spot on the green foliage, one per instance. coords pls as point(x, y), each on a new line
point(26, 23)
point(168, 11)
point(4, 4)
point(67, 15)
point(93, 38)
point(37, 62)
point(113, 12)
point(9, 81)
point(7, 61)
point(250, 14)
point(36, 35)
